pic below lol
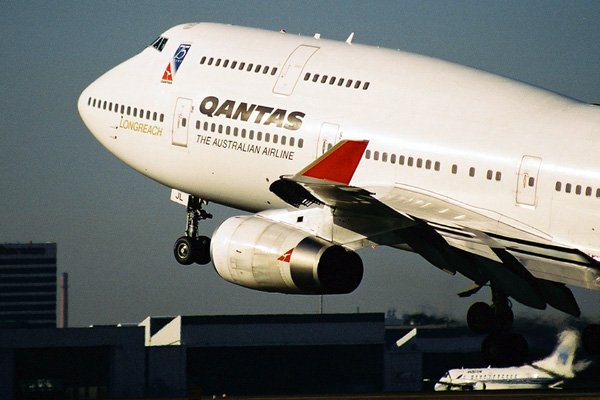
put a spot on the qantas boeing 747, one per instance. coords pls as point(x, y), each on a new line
point(336, 146)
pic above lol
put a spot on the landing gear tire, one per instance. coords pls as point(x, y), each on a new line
point(188, 250)
point(184, 250)
point(480, 317)
point(202, 250)
point(590, 339)
point(504, 349)
point(483, 318)
point(501, 348)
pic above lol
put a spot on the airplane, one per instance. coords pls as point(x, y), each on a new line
point(550, 373)
point(335, 146)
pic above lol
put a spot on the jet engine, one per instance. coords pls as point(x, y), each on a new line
point(262, 254)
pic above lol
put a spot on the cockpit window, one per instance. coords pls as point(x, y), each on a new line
point(159, 43)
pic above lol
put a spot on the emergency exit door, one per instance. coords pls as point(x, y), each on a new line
point(290, 73)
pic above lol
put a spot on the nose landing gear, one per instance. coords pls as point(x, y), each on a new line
point(193, 247)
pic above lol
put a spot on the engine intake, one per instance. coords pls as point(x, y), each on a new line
point(258, 253)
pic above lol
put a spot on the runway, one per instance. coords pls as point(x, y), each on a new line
point(472, 395)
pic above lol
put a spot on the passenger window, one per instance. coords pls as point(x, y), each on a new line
point(401, 160)
point(437, 166)
point(393, 159)
point(568, 188)
point(498, 176)
point(384, 157)
point(588, 191)
point(472, 172)
point(419, 162)
point(428, 164)
point(454, 168)
point(531, 182)
point(376, 156)
point(558, 186)
point(490, 174)
point(368, 154)
point(183, 122)
point(300, 143)
point(577, 189)
point(410, 161)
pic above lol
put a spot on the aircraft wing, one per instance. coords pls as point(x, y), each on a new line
point(450, 235)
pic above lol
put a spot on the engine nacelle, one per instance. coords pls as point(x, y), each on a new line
point(261, 254)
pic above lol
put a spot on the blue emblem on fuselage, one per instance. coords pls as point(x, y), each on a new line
point(180, 54)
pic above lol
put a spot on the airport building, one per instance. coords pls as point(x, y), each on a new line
point(28, 285)
point(202, 356)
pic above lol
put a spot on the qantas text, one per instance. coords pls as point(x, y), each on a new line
point(211, 106)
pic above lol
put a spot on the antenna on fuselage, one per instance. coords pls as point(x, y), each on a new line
point(350, 38)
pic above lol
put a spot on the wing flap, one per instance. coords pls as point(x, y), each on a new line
point(451, 235)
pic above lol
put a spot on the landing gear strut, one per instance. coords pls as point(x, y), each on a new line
point(192, 247)
point(502, 347)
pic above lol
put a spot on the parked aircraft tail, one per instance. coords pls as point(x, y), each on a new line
point(560, 362)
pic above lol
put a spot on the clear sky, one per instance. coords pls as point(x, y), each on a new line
point(115, 228)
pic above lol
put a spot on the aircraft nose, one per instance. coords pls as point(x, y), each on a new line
point(84, 104)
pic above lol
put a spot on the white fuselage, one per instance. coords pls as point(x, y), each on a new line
point(525, 377)
point(246, 106)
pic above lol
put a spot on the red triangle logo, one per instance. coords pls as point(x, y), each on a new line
point(286, 256)
point(167, 75)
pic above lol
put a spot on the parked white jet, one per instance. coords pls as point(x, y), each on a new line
point(548, 373)
point(338, 146)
